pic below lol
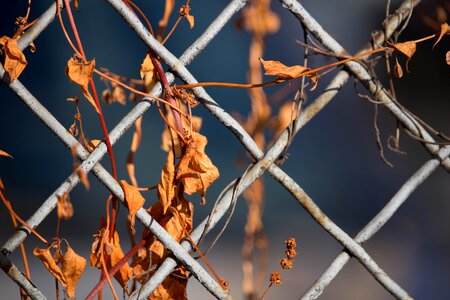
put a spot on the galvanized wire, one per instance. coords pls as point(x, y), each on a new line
point(264, 162)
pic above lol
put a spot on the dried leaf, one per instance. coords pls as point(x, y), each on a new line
point(407, 48)
point(166, 186)
point(398, 71)
point(124, 273)
point(185, 12)
point(260, 19)
point(118, 95)
point(195, 169)
point(15, 61)
point(445, 29)
point(167, 11)
point(72, 267)
point(83, 178)
point(93, 144)
point(80, 73)
point(94, 257)
point(133, 198)
point(172, 288)
point(3, 153)
point(166, 137)
point(49, 263)
point(65, 207)
point(148, 73)
point(106, 96)
point(74, 130)
point(285, 117)
point(175, 222)
point(447, 57)
point(135, 142)
point(283, 72)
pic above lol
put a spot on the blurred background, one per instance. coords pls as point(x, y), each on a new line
point(335, 158)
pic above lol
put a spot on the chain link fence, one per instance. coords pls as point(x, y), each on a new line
point(264, 162)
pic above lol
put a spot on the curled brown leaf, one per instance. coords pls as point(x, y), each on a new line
point(72, 267)
point(445, 29)
point(133, 199)
point(15, 61)
point(195, 170)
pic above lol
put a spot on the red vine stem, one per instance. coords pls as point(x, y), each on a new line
point(168, 92)
point(100, 114)
point(116, 268)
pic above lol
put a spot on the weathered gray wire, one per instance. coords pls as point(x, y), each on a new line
point(359, 71)
point(377, 222)
point(62, 133)
point(18, 277)
point(253, 149)
point(265, 160)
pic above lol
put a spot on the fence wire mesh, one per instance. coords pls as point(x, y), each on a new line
point(264, 162)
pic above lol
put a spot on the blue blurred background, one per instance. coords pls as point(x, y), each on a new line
point(334, 158)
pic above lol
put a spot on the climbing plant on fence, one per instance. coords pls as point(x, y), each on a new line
point(162, 259)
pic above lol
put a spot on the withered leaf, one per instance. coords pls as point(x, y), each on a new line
point(65, 207)
point(285, 116)
point(166, 185)
point(133, 198)
point(168, 8)
point(15, 61)
point(195, 169)
point(175, 222)
point(172, 288)
point(185, 12)
point(118, 95)
point(80, 73)
point(398, 71)
point(83, 178)
point(124, 273)
point(49, 263)
point(3, 153)
point(407, 48)
point(148, 73)
point(283, 72)
point(93, 144)
point(74, 130)
point(166, 137)
point(72, 267)
point(260, 19)
point(445, 29)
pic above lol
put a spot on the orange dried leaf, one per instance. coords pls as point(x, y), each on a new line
point(185, 12)
point(72, 266)
point(83, 178)
point(283, 72)
point(88, 96)
point(195, 169)
point(80, 72)
point(65, 207)
point(118, 95)
point(398, 71)
point(133, 198)
point(3, 153)
point(148, 73)
point(172, 288)
point(406, 48)
point(124, 273)
point(445, 29)
point(168, 8)
point(93, 144)
point(166, 187)
point(15, 61)
point(49, 263)
point(259, 19)
point(135, 142)
point(285, 117)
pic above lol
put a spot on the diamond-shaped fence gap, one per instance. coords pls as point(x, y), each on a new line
point(230, 194)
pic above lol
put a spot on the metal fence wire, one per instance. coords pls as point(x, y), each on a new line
point(265, 162)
